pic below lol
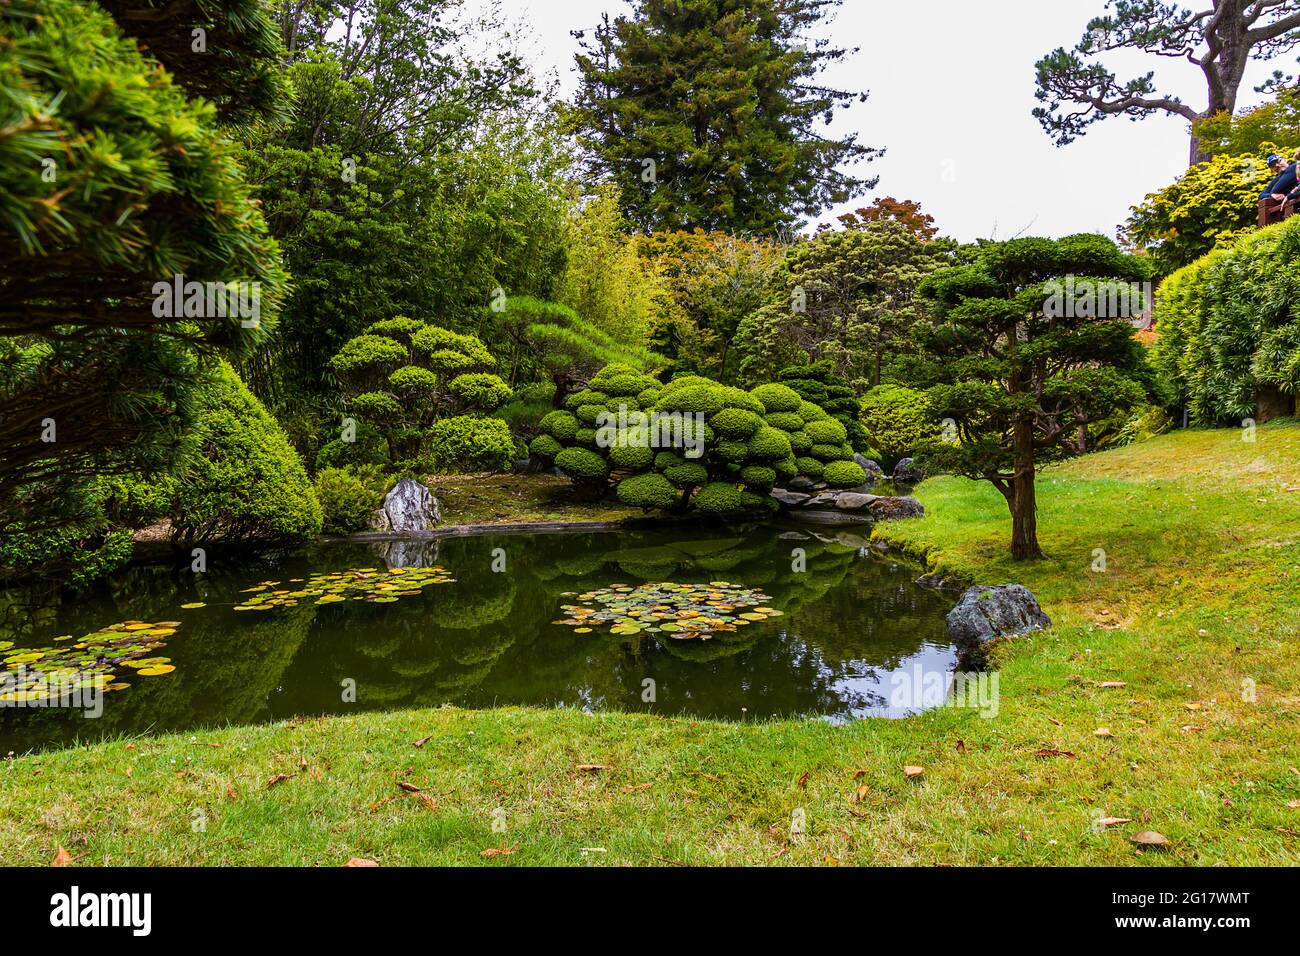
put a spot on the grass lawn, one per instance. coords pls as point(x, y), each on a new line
point(1200, 597)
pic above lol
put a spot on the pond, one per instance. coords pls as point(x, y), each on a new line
point(744, 623)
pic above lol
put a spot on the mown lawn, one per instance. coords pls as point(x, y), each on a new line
point(1197, 613)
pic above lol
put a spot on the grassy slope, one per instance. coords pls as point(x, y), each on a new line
point(1202, 590)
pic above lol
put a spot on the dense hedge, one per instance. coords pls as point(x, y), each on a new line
point(243, 483)
point(467, 443)
point(747, 443)
point(897, 420)
point(349, 497)
point(1228, 328)
point(818, 384)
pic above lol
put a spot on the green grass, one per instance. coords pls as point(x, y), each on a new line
point(1201, 592)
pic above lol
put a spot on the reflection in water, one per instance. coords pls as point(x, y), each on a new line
point(851, 621)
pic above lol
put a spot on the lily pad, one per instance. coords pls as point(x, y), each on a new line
point(681, 611)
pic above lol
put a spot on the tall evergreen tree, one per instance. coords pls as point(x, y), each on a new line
point(708, 114)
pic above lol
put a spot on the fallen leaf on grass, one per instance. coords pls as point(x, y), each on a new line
point(636, 787)
point(275, 781)
point(1114, 821)
point(422, 741)
point(409, 787)
point(499, 850)
point(859, 774)
point(592, 767)
point(62, 858)
point(862, 793)
point(961, 746)
point(428, 801)
point(1113, 683)
point(1102, 732)
point(358, 861)
point(1293, 804)
point(803, 782)
point(1052, 752)
point(912, 771)
point(1149, 838)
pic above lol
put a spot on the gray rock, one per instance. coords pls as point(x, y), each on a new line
point(891, 509)
point(800, 484)
point(907, 472)
point(792, 536)
point(824, 500)
point(408, 507)
point(852, 501)
point(872, 468)
point(790, 499)
point(985, 613)
point(522, 465)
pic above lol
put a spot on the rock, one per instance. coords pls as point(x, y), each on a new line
point(522, 465)
point(820, 486)
point(409, 552)
point(409, 507)
point(891, 509)
point(872, 468)
point(824, 500)
point(852, 501)
point(789, 499)
point(800, 484)
point(792, 536)
point(906, 472)
point(985, 613)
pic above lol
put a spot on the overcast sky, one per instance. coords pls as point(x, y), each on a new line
point(952, 87)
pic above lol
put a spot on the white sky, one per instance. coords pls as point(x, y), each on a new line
point(952, 86)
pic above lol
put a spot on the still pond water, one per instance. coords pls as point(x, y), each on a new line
point(831, 640)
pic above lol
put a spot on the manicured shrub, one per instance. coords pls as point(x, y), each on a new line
point(243, 483)
point(704, 399)
point(827, 432)
point(647, 491)
point(467, 444)
point(585, 397)
point(687, 474)
point(831, 452)
point(588, 414)
point(786, 421)
point(477, 389)
point(812, 413)
point(545, 446)
point(718, 498)
point(786, 468)
point(632, 457)
point(758, 477)
point(348, 497)
point(843, 474)
point(777, 397)
point(800, 442)
point(730, 451)
point(770, 444)
point(582, 464)
point(586, 437)
point(560, 424)
point(736, 423)
point(810, 468)
point(897, 420)
point(367, 447)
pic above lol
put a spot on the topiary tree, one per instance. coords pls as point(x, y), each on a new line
point(401, 375)
point(1019, 371)
point(897, 420)
point(243, 483)
point(818, 383)
point(692, 443)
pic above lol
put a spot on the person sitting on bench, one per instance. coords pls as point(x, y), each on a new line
point(1283, 184)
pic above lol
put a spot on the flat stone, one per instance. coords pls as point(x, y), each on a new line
point(800, 484)
point(790, 499)
point(890, 509)
point(852, 501)
point(826, 499)
point(986, 613)
point(409, 507)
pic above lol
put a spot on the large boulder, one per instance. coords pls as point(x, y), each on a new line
point(873, 469)
point(853, 501)
point(907, 473)
point(789, 499)
point(986, 613)
point(892, 509)
point(409, 507)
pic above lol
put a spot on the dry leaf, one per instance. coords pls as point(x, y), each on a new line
point(862, 793)
point(639, 786)
point(409, 787)
point(1293, 804)
point(803, 782)
point(1113, 683)
point(422, 741)
point(358, 861)
point(1114, 821)
point(961, 746)
point(859, 775)
point(913, 771)
point(275, 781)
point(62, 858)
point(592, 767)
point(1102, 732)
point(428, 801)
point(1149, 838)
point(1051, 752)
point(499, 850)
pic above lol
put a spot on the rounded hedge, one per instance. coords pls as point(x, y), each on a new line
point(348, 498)
point(786, 468)
point(686, 475)
point(800, 442)
point(545, 446)
point(719, 498)
point(811, 468)
point(812, 413)
point(736, 423)
point(827, 432)
point(897, 420)
point(832, 452)
point(560, 424)
point(758, 477)
point(731, 451)
point(633, 457)
point(786, 421)
point(843, 474)
point(777, 397)
point(581, 464)
point(770, 444)
point(588, 414)
point(480, 390)
point(647, 491)
point(465, 443)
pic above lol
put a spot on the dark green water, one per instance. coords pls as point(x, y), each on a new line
point(852, 620)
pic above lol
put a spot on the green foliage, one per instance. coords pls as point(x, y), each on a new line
point(632, 457)
point(244, 484)
point(669, 82)
point(1229, 328)
point(1210, 202)
point(735, 422)
point(898, 420)
point(1269, 128)
point(687, 474)
point(770, 444)
point(826, 393)
point(843, 474)
point(758, 477)
point(1018, 376)
point(465, 443)
point(545, 446)
point(368, 447)
point(777, 398)
point(581, 464)
point(828, 432)
point(649, 491)
point(348, 497)
point(719, 498)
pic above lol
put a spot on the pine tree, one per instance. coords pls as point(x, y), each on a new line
point(707, 114)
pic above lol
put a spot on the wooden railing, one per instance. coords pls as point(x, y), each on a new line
point(1271, 211)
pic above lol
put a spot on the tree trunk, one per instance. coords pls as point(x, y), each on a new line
point(1271, 403)
point(1021, 498)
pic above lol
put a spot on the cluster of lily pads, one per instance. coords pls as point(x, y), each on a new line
point(678, 611)
point(372, 585)
point(34, 674)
